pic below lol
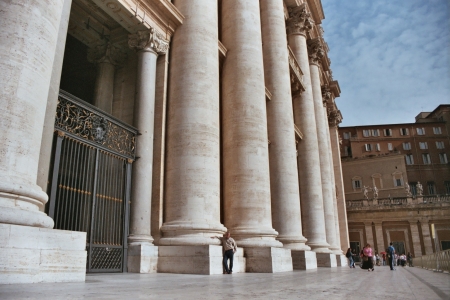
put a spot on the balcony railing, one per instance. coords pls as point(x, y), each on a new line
point(439, 261)
point(397, 201)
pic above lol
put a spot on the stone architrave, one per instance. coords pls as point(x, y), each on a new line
point(29, 246)
point(316, 52)
point(192, 200)
point(143, 255)
point(106, 56)
point(312, 211)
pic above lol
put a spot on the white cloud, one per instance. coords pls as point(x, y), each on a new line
point(391, 58)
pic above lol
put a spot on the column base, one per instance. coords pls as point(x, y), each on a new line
point(205, 260)
point(326, 260)
point(142, 258)
point(341, 260)
point(32, 255)
point(304, 260)
point(268, 260)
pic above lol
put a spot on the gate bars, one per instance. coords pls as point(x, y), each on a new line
point(90, 183)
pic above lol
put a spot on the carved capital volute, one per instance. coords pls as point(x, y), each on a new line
point(148, 40)
point(106, 52)
point(299, 21)
point(315, 51)
point(326, 93)
point(334, 118)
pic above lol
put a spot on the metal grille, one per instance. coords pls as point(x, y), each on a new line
point(89, 192)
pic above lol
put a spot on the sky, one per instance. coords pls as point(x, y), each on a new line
point(390, 57)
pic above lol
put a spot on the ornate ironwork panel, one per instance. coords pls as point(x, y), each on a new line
point(87, 122)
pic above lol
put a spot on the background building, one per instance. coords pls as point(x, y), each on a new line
point(397, 183)
point(135, 131)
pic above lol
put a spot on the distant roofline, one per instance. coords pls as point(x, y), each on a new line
point(392, 124)
point(439, 107)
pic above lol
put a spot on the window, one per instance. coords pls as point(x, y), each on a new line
point(423, 145)
point(440, 145)
point(387, 132)
point(356, 182)
point(366, 133)
point(447, 187)
point(409, 159)
point(445, 245)
point(375, 132)
point(426, 159)
point(346, 151)
point(377, 147)
point(390, 148)
point(404, 131)
point(398, 178)
point(407, 146)
point(347, 135)
point(437, 130)
point(443, 158)
point(431, 188)
point(376, 180)
point(368, 147)
point(413, 187)
point(420, 131)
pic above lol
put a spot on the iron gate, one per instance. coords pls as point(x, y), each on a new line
point(90, 184)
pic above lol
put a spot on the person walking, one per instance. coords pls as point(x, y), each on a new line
point(368, 258)
point(229, 248)
point(349, 256)
point(391, 256)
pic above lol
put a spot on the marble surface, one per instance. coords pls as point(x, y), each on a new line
point(322, 283)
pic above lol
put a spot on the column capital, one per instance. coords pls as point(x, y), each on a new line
point(106, 52)
point(334, 117)
point(299, 21)
point(315, 51)
point(148, 40)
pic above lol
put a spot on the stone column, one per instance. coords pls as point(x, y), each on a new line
point(316, 52)
point(312, 211)
point(335, 119)
point(369, 234)
point(381, 246)
point(284, 187)
point(415, 238)
point(52, 100)
point(142, 256)
point(427, 239)
point(28, 41)
point(245, 142)
point(106, 56)
point(192, 200)
point(280, 122)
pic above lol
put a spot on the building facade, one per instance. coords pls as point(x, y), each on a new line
point(134, 132)
point(397, 183)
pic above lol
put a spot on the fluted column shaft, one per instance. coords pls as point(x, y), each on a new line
point(308, 151)
point(280, 121)
point(245, 144)
point(369, 234)
point(380, 246)
point(192, 200)
point(415, 238)
point(26, 60)
point(144, 116)
point(427, 239)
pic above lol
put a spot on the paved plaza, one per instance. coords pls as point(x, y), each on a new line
point(323, 283)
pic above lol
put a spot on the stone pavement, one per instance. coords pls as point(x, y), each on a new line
point(323, 283)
